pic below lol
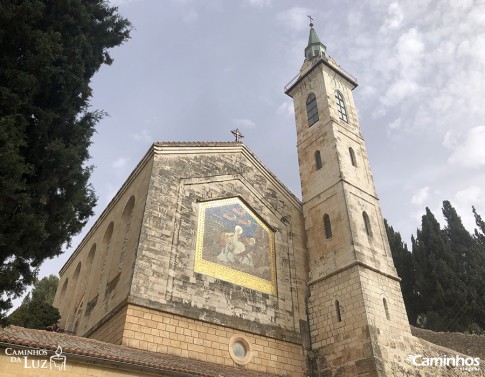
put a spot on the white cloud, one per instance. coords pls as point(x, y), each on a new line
point(470, 152)
point(463, 202)
point(399, 91)
point(395, 124)
point(286, 109)
point(411, 49)
point(395, 16)
point(461, 4)
point(191, 16)
point(119, 163)
point(259, 3)
point(143, 136)
point(471, 195)
point(295, 18)
point(420, 196)
point(450, 139)
point(245, 123)
point(117, 3)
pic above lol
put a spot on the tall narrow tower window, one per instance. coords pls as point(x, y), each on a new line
point(368, 229)
point(337, 310)
point(352, 157)
point(342, 112)
point(384, 301)
point(328, 226)
point(311, 109)
point(318, 160)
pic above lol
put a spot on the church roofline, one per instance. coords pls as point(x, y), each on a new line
point(170, 147)
point(197, 147)
point(123, 357)
point(197, 143)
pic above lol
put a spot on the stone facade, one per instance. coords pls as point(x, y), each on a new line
point(97, 277)
point(201, 340)
point(331, 303)
point(170, 308)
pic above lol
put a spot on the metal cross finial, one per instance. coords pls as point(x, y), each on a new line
point(237, 134)
point(311, 20)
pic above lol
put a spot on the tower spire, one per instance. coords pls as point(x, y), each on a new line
point(315, 48)
point(355, 306)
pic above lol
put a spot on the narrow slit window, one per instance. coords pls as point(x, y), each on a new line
point(342, 111)
point(337, 310)
point(368, 229)
point(328, 226)
point(352, 157)
point(386, 308)
point(311, 109)
point(318, 160)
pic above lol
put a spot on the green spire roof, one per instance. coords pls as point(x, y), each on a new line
point(315, 48)
point(313, 38)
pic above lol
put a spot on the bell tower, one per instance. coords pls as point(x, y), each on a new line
point(355, 305)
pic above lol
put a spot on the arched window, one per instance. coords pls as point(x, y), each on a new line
point(384, 301)
point(88, 276)
point(76, 287)
point(368, 229)
point(352, 157)
point(328, 226)
point(118, 255)
point(318, 160)
point(61, 304)
point(311, 109)
point(342, 112)
point(99, 268)
point(63, 291)
point(337, 310)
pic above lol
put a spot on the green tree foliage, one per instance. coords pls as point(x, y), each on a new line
point(403, 260)
point(443, 280)
point(49, 52)
point(36, 311)
point(469, 268)
point(436, 284)
point(45, 289)
point(34, 314)
point(480, 232)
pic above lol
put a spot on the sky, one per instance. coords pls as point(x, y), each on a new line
point(194, 70)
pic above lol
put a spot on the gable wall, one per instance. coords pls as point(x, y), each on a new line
point(164, 275)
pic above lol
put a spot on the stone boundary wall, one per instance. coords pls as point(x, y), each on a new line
point(468, 344)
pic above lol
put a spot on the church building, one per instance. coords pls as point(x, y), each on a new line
point(204, 255)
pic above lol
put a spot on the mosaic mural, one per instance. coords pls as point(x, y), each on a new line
point(235, 245)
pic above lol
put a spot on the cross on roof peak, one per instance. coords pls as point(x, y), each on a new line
point(237, 134)
point(311, 20)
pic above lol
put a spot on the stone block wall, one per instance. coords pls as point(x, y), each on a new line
point(163, 332)
point(338, 322)
point(164, 277)
point(97, 276)
point(111, 329)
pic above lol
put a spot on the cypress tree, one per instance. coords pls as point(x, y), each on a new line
point(403, 261)
point(49, 52)
point(437, 285)
point(469, 269)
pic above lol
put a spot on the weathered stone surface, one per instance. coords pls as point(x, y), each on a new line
point(335, 306)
